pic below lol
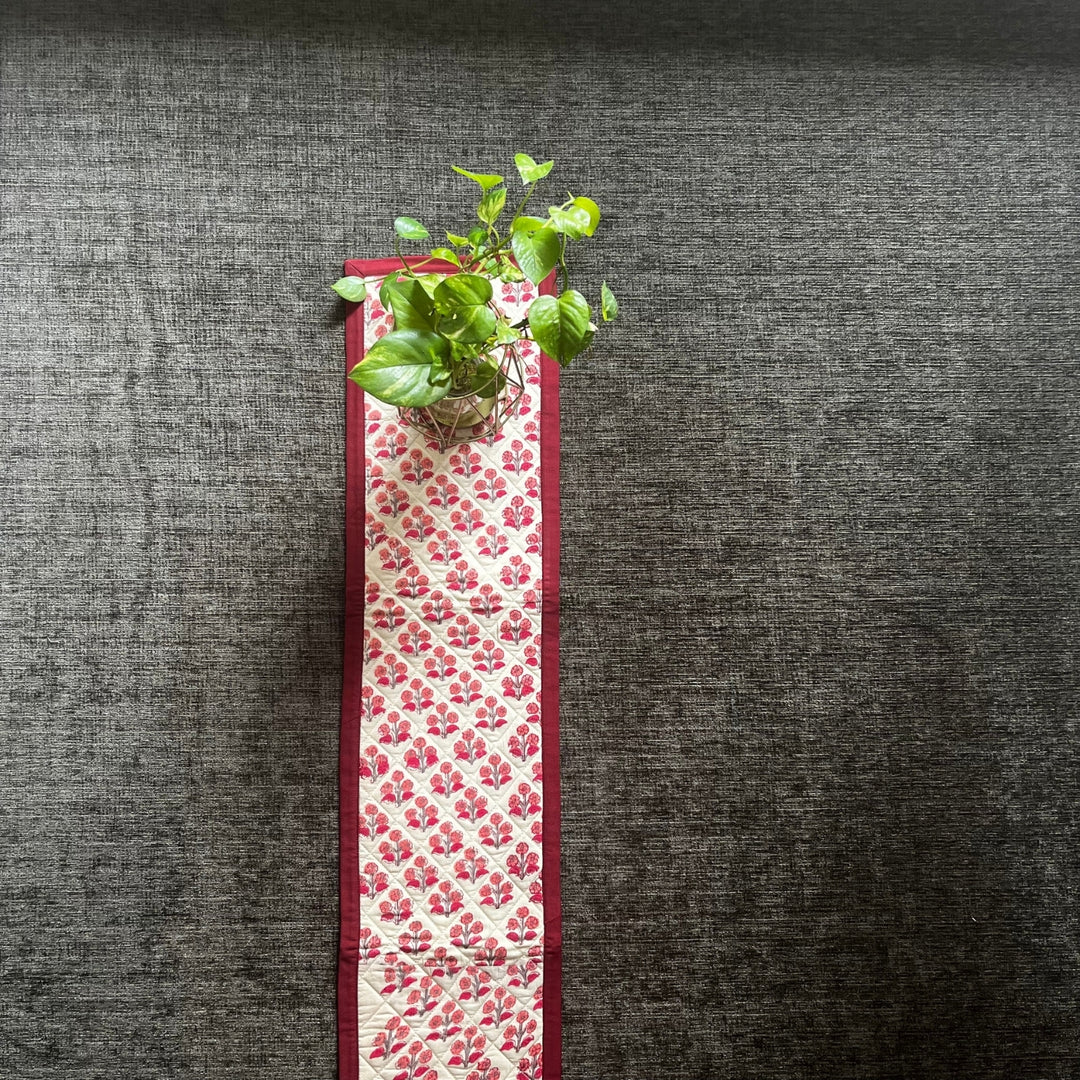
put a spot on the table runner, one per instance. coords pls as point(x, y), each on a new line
point(450, 949)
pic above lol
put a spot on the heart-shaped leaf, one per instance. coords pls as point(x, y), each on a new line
point(609, 306)
point(574, 222)
point(590, 208)
point(529, 171)
point(408, 300)
point(491, 205)
point(485, 180)
point(462, 290)
point(410, 229)
point(350, 288)
point(463, 300)
point(406, 367)
point(445, 253)
point(560, 325)
point(536, 253)
point(457, 241)
point(530, 224)
point(468, 324)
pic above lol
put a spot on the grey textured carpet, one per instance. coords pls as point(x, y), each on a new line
point(820, 523)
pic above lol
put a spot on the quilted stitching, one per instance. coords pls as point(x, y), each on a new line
point(451, 908)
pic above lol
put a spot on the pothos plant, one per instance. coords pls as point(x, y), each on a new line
point(447, 330)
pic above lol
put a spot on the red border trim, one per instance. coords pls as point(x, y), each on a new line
point(349, 758)
point(549, 706)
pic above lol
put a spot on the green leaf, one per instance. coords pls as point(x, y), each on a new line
point(447, 254)
point(491, 205)
point(573, 222)
point(457, 241)
point(406, 367)
point(536, 254)
point(463, 290)
point(477, 236)
point(485, 180)
point(560, 325)
point(530, 224)
point(488, 379)
point(609, 306)
point(410, 229)
point(412, 307)
point(590, 208)
point(430, 282)
point(529, 170)
point(350, 288)
point(463, 300)
point(468, 324)
point(508, 271)
point(505, 333)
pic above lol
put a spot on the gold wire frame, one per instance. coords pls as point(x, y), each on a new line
point(449, 422)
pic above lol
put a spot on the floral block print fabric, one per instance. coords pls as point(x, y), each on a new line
point(450, 821)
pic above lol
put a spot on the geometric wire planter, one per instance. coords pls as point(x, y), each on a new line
point(473, 416)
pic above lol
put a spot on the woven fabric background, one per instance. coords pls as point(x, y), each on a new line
point(820, 521)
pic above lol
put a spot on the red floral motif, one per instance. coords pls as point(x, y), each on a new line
point(373, 880)
point(370, 944)
point(489, 657)
point(487, 603)
point(491, 486)
point(418, 524)
point(446, 1022)
point(438, 609)
point(417, 940)
point(496, 892)
point(395, 555)
point(447, 840)
point(518, 515)
point(396, 908)
point(422, 875)
point(441, 664)
point(496, 773)
point(446, 899)
point(416, 467)
point(443, 721)
point(463, 578)
point(412, 583)
point(395, 730)
point(491, 715)
point(463, 632)
point(523, 926)
point(497, 832)
point(422, 815)
point(390, 499)
point(469, 1048)
point(515, 627)
point(515, 573)
point(445, 548)
point(392, 1038)
point(420, 756)
point(373, 821)
point(414, 639)
point(444, 492)
point(523, 862)
point(492, 542)
point(518, 458)
point(499, 1007)
point(465, 461)
point(415, 1064)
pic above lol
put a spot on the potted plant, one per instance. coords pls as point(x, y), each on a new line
point(452, 363)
